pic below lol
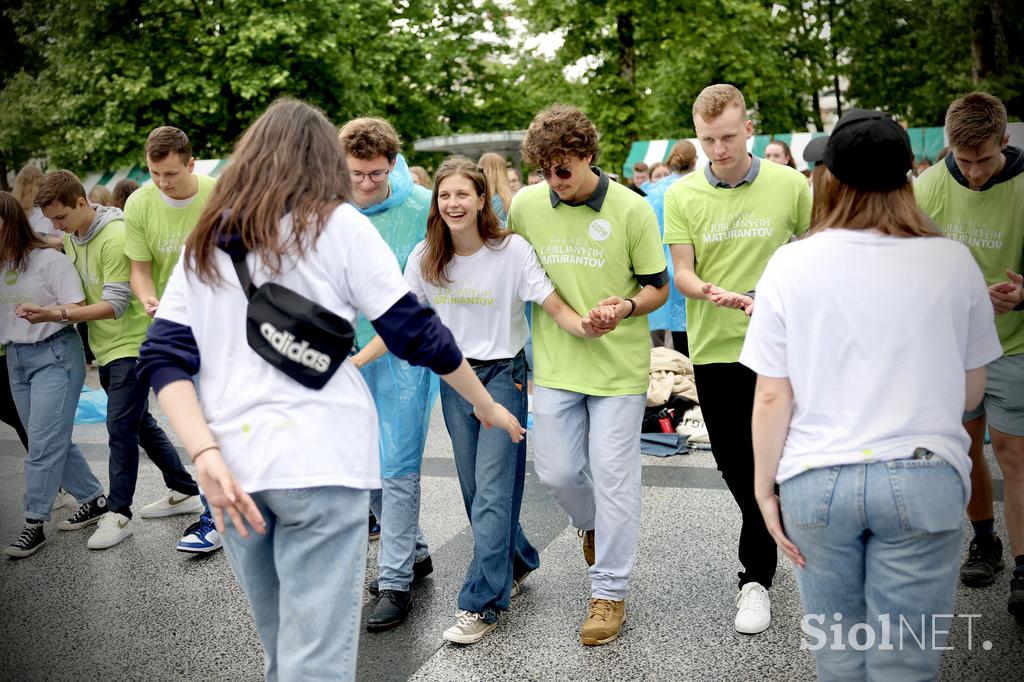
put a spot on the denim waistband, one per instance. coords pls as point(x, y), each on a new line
point(479, 364)
point(70, 329)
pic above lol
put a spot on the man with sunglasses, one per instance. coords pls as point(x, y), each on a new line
point(384, 191)
point(722, 225)
point(598, 242)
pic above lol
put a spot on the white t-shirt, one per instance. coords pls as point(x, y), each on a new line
point(273, 432)
point(49, 279)
point(485, 304)
point(39, 223)
point(875, 334)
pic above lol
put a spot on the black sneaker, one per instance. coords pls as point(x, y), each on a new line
point(86, 515)
point(984, 560)
point(28, 543)
point(420, 570)
point(1016, 603)
point(391, 609)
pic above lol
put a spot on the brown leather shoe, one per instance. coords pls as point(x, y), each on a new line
point(604, 622)
point(588, 545)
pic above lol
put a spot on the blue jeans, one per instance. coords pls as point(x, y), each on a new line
point(304, 580)
point(492, 472)
point(882, 544)
point(129, 424)
point(397, 508)
point(588, 457)
point(46, 379)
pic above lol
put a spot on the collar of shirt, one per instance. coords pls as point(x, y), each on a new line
point(755, 168)
point(594, 201)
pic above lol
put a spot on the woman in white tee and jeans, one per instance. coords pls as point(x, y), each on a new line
point(870, 338)
point(479, 279)
point(287, 469)
point(46, 365)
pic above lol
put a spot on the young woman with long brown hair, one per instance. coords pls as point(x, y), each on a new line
point(499, 189)
point(870, 338)
point(291, 463)
point(46, 366)
point(479, 279)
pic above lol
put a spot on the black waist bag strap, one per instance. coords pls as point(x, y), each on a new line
point(297, 336)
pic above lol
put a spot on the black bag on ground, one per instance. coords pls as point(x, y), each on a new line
point(301, 338)
point(672, 410)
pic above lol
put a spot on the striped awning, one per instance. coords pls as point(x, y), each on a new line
point(926, 142)
point(140, 174)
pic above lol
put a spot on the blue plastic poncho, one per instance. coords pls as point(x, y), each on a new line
point(672, 315)
point(404, 394)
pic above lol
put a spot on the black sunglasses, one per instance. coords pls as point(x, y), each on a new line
point(561, 172)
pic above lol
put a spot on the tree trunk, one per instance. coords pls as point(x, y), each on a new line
point(627, 48)
point(983, 39)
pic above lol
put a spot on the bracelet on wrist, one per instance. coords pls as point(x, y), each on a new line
point(209, 445)
point(632, 308)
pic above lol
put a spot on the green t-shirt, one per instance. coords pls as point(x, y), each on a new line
point(99, 261)
point(590, 255)
point(733, 232)
point(156, 230)
point(990, 224)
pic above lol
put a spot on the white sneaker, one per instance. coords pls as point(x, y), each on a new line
point(63, 499)
point(111, 530)
point(469, 628)
point(171, 504)
point(753, 609)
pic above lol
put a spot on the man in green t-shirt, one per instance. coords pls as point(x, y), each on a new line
point(722, 225)
point(599, 244)
point(158, 217)
point(976, 196)
point(94, 242)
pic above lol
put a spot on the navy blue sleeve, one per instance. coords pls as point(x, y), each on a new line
point(415, 334)
point(168, 354)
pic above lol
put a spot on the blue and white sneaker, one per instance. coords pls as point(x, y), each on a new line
point(201, 537)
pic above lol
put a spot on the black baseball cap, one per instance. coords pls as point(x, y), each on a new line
point(814, 152)
point(870, 151)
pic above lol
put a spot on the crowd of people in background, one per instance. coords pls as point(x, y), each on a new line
point(842, 443)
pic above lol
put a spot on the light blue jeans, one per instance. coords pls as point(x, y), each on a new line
point(46, 379)
point(397, 508)
point(304, 580)
point(588, 457)
point(882, 544)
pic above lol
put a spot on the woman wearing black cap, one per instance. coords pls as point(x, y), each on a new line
point(869, 338)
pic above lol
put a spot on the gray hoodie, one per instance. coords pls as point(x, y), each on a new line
point(117, 294)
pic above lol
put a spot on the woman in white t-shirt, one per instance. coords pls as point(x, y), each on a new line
point(46, 366)
point(479, 279)
point(870, 338)
point(292, 463)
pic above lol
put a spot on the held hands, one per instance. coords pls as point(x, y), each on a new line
point(728, 299)
point(150, 303)
point(497, 415)
point(773, 522)
point(225, 496)
point(36, 313)
point(1007, 295)
point(605, 316)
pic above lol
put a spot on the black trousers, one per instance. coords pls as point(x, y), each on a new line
point(129, 425)
point(726, 393)
point(8, 410)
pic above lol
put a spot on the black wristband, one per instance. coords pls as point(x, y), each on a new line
point(633, 309)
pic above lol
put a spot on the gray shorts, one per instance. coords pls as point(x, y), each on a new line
point(1004, 396)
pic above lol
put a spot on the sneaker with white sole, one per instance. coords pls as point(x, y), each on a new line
point(111, 530)
point(753, 609)
point(87, 514)
point(517, 583)
point(28, 543)
point(171, 504)
point(201, 537)
point(469, 628)
point(63, 499)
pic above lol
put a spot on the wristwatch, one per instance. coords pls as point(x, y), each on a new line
point(64, 314)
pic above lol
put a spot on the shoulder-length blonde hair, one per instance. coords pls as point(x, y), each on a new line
point(893, 212)
point(439, 248)
point(26, 186)
point(494, 167)
point(287, 162)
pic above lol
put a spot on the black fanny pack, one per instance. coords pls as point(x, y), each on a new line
point(301, 338)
